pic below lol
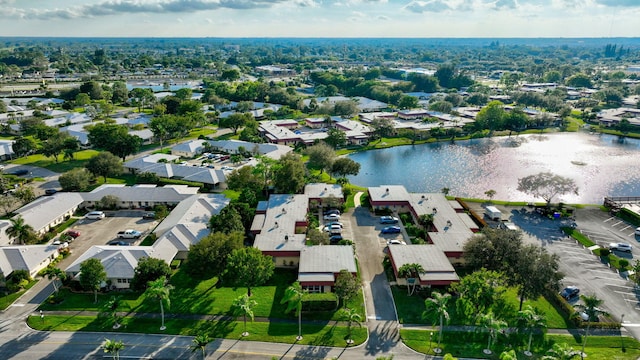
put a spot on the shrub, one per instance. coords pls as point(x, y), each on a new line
point(623, 263)
point(630, 216)
point(319, 302)
point(604, 252)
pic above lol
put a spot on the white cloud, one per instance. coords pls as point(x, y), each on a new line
point(427, 6)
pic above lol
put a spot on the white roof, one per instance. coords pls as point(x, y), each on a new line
point(273, 151)
point(323, 191)
point(119, 261)
point(195, 209)
point(46, 209)
point(435, 263)
point(278, 225)
point(327, 259)
point(24, 257)
point(142, 192)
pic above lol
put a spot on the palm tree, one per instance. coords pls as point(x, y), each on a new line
point(351, 316)
point(437, 305)
point(293, 297)
point(113, 347)
point(19, 230)
point(200, 342)
point(589, 306)
point(160, 291)
point(110, 310)
point(531, 319)
point(426, 220)
point(55, 274)
point(561, 352)
point(243, 305)
point(493, 326)
point(410, 272)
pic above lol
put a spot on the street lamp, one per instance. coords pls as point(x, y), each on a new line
point(430, 338)
point(621, 335)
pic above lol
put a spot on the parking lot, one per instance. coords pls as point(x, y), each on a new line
point(100, 232)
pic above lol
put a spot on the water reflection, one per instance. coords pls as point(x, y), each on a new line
point(600, 165)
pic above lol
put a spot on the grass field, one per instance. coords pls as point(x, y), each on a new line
point(205, 297)
point(81, 157)
point(410, 309)
point(5, 301)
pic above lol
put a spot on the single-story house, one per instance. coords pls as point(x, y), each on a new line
point(48, 211)
point(32, 258)
point(320, 266)
point(438, 271)
point(188, 149)
point(280, 226)
point(321, 193)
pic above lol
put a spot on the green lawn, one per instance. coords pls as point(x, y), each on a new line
point(5, 301)
point(203, 298)
point(320, 335)
point(469, 344)
point(410, 309)
point(40, 160)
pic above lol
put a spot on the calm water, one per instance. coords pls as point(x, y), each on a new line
point(599, 164)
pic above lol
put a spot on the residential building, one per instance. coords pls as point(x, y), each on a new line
point(320, 266)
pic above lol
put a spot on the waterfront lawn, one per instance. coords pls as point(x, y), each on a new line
point(471, 344)
point(410, 309)
point(313, 334)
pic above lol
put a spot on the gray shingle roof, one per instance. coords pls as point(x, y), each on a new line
point(327, 259)
point(24, 257)
point(279, 227)
point(433, 260)
point(45, 210)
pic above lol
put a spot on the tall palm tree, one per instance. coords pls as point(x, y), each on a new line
point(110, 310)
point(293, 297)
point(54, 274)
point(437, 305)
point(493, 325)
point(200, 342)
point(113, 347)
point(589, 306)
point(561, 352)
point(531, 319)
point(19, 230)
point(158, 290)
point(410, 272)
point(244, 305)
point(351, 316)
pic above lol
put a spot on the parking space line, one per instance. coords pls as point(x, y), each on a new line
point(618, 223)
point(609, 219)
point(625, 228)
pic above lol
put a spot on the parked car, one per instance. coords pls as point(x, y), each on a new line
point(73, 233)
point(585, 317)
point(50, 191)
point(391, 230)
point(338, 223)
point(388, 220)
point(332, 211)
point(334, 239)
point(569, 292)
point(620, 247)
point(332, 217)
point(149, 215)
point(333, 229)
point(638, 231)
point(396, 242)
point(95, 215)
point(19, 172)
point(118, 243)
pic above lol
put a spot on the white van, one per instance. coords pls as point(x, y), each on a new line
point(95, 215)
point(493, 213)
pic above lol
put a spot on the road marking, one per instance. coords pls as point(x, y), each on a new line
point(609, 219)
point(18, 305)
point(618, 223)
point(625, 228)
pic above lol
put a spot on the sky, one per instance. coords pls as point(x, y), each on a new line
point(320, 18)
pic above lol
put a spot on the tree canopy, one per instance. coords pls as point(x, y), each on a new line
point(546, 185)
point(248, 267)
point(208, 258)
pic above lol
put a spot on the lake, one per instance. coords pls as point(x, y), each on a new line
point(600, 165)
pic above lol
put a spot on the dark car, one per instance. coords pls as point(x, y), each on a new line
point(73, 233)
point(118, 243)
point(569, 292)
point(391, 230)
point(149, 215)
point(334, 239)
point(50, 191)
point(19, 172)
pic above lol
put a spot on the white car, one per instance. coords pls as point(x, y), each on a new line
point(638, 231)
point(333, 229)
point(95, 215)
point(620, 247)
point(338, 223)
point(396, 242)
point(332, 217)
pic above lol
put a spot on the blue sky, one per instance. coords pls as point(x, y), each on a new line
point(320, 18)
